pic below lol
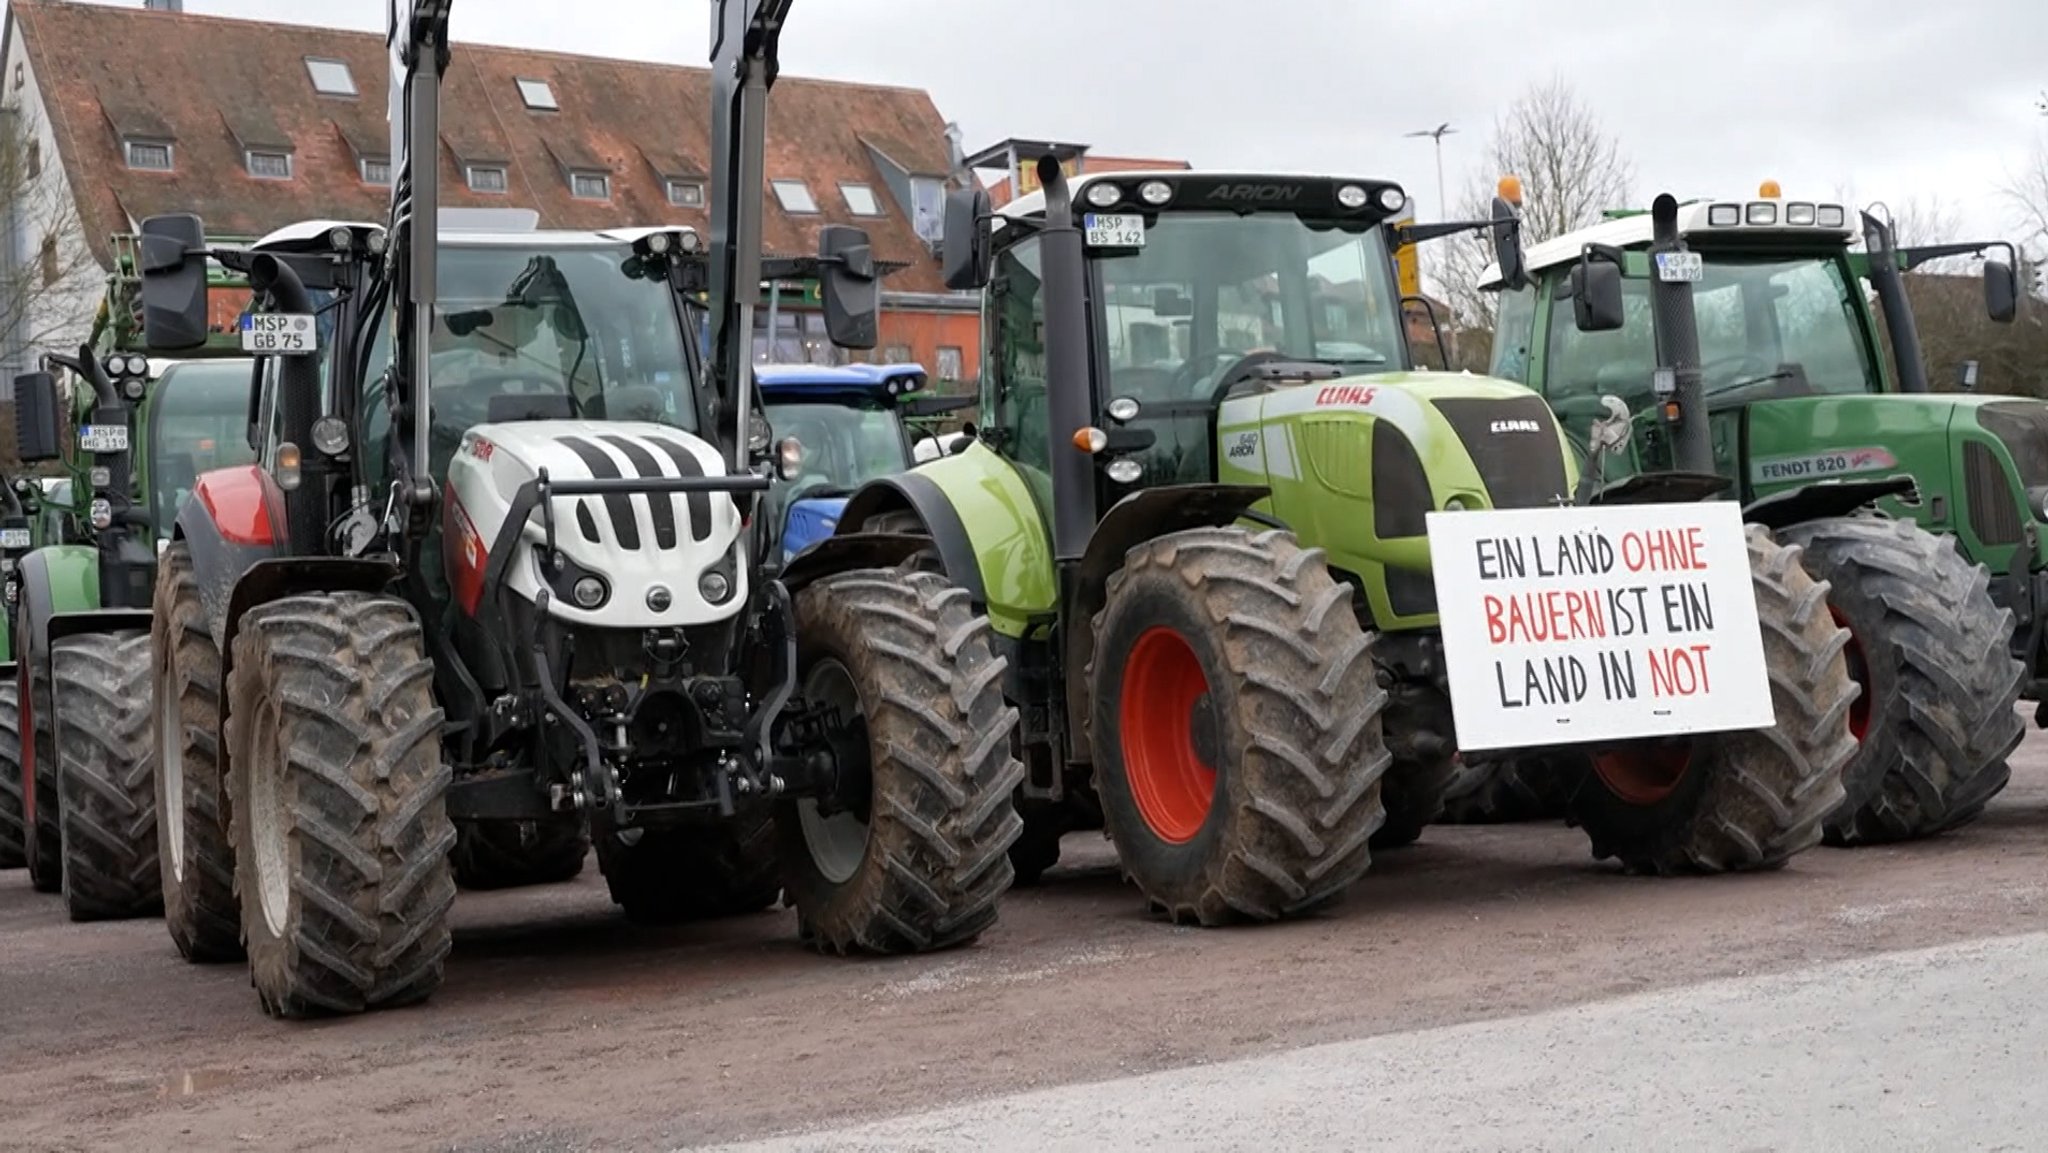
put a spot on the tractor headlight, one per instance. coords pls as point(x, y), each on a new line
point(758, 432)
point(1351, 196)
point(102, 512)
point(132, 387)
point(1123, 410)
point(589, 592)
point(714, 587)
point(1391, 199)
point(1155, 192)
point(340, 239)
point(658, 243)
point(1103, 194)
point(789, 458)
point(1124, 470)
point(330, 435)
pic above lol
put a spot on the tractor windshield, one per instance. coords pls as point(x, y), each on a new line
point(846, 444)
point(1208, 289)
point(1768, 326)
point(198, 421)
point(554, 331)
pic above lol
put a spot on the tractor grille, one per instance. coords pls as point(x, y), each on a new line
point(2022, 426)
point(1400, 489)
point(1522, 469)
point(1994, 514)
point(621, 508)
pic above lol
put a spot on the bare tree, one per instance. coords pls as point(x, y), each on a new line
point(50, 272)
point(1571, 171)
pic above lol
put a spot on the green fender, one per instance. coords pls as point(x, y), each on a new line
point(980, 511)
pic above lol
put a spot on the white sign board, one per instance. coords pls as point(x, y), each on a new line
point(1568, 625)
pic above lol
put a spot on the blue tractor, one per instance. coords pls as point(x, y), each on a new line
point(857, 423)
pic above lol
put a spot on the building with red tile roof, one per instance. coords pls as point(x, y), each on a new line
point(253, 125)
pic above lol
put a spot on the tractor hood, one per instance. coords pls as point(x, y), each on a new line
point(647, 548)
point(810, 520)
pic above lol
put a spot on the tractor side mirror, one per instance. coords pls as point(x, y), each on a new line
point(2001, 291)
point(964, 247)
point(850, 288)
point(173, 282)
point(1507, 245)
point(1596, 296)
point(36, 418)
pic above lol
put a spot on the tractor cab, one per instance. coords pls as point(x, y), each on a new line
point(195, 420)
point(855, 424)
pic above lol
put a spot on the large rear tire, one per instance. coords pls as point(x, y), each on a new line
point(198, 861)
point(923, 863)
point(1745, 800)
point(1236, 726)
point(13, 829)
point(1506, 791)
point(693, 872)
point(1930, 648)
point(106, 779)
point(515, 854)
point(340, 815)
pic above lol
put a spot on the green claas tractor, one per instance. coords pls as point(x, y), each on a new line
point(1195, 511)
point(1944, 581)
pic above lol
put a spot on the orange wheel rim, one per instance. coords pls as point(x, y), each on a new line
point(1163, 686)
point(1643, 774)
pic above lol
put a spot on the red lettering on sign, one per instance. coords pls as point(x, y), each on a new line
point(1663, 550)
point(1345, 394)
point(1679, 672)
point(1545, 617)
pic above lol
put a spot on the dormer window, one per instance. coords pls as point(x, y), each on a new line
point(487, 178)
point(148, 155)
point(590, 185)
point(686, 193)
point(267, 164)
point(375, 170)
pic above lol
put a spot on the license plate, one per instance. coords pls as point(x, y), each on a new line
point(1680, 267)
point(1113, 230)
point(13, 538)
point(279, 334)
point(103, 437)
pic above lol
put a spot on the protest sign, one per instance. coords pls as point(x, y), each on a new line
point(1568, 625)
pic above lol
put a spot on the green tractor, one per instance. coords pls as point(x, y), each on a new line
point(1195, 512)
point(17, 536)
point(1944, 582)
point(131, 436)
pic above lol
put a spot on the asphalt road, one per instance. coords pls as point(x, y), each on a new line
point(1488, 988)
point(1929, 1049)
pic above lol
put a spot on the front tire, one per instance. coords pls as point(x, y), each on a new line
point(13, 830)
point(922, 864)
point(106, 777)
point(1746, 800)
point(1937, 717)
point(694, 872)
point(516, 854)
point(1236, 725)
point(1506, 791)
point(1424, 745)
point(340, 813)
point(45, 835)
point(198, 861)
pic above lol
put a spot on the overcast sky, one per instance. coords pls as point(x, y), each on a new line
point(1894, 99)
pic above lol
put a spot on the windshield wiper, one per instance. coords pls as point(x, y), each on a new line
point(1738, 386)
